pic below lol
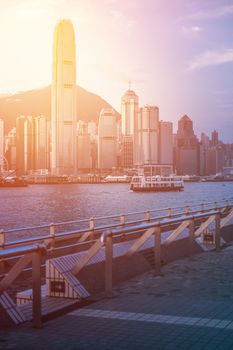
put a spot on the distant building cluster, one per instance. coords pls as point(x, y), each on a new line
point(62, 145)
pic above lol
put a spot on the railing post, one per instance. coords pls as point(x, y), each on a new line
point(157, 251)
point(108, 266)
point(122, 219)
point(217, 233)
point(52, 234)
point(36, 290)
point(2, 243)
point(2, 238)
point(92, 227)
point(202, 206)
point(148, 215)
point(191, 237)
point(186, 209)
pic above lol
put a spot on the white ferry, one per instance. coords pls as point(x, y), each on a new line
point(157, 183)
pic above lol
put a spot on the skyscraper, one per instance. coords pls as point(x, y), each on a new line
point(107, 139)
point(147, 136)
point(129, 110)
point(165, 143)
point(25, 145)
point(42, 143)
point(10, 149)
point(84, 147)
point(129, 114)
point(187, 148)
point(64, 116)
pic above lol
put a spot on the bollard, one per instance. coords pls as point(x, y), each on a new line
point(202, 206)
point(157, 251)
point(36, 290)
point(191, 237)
point(169, 211)
point(108, 266)
point(217, 233)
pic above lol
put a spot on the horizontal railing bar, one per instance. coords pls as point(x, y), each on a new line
point(64, 235)
point(116, 216)
point(161, 222)
point(11, 252)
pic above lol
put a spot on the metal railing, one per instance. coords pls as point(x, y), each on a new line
point(53, 232)
point(31, 254)
point(196, 219)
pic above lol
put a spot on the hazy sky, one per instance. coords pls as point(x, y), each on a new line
point(177, 53)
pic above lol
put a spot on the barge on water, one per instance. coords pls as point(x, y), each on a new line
point(157, 183)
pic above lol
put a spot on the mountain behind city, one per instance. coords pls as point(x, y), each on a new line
point(38, 102)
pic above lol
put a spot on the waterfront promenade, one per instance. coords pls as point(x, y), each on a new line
point(189, 307)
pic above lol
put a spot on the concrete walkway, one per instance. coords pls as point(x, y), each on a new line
point(189, 307)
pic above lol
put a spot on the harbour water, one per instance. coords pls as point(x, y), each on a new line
point(43, 204)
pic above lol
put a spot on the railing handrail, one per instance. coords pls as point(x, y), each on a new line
point(162, 222)
point(66, 235)
point(21, 250)
point(30, 228)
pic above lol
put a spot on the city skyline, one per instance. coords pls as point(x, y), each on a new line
point(189, 74)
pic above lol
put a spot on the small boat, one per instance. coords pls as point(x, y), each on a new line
point(157, 183)
point(13, 182)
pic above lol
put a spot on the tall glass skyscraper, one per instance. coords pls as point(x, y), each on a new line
point(63, 100)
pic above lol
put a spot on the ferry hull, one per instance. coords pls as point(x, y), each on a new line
point(165, 189)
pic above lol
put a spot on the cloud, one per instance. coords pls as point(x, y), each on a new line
point(213, 12)
point(193, 31)
point(211, 58)
point(208, 13)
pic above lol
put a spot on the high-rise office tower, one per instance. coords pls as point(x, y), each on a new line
point(84, 147)
point(107, 139)
point(10, 149)
point(42, 143)
point(129, 111)
point(64, 116)
point(127, 152)
point(187, 148)
point(129, 114)
point(214, 138)
point(1, 145)
point(147, 136)
point(25, 145)
point(165, 143)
